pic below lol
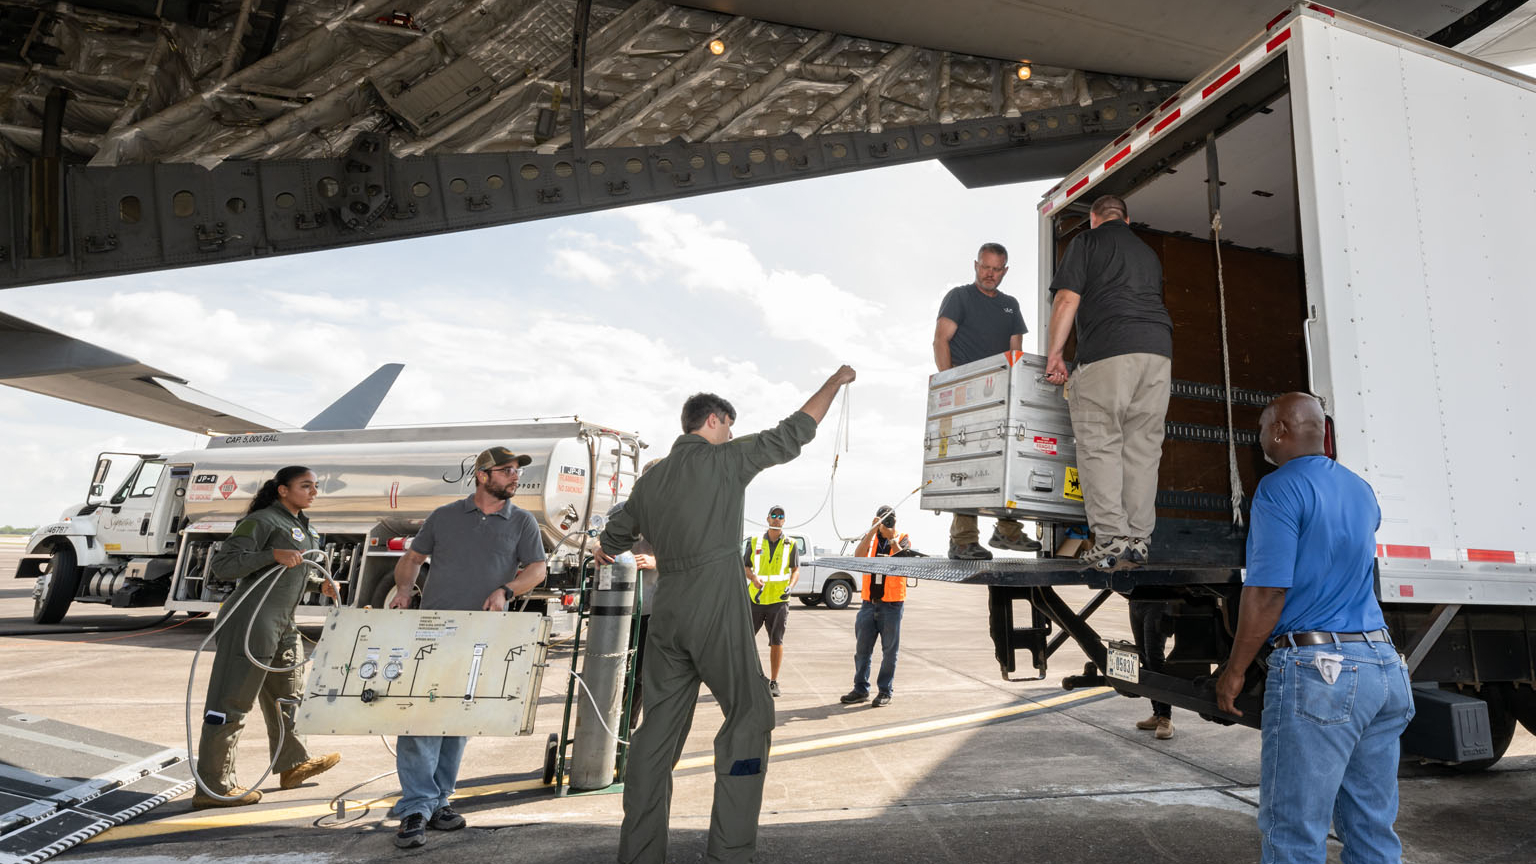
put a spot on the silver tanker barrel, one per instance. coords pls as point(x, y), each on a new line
point(595, 751)
point(381, 483)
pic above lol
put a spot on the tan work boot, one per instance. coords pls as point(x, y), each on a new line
point(1164, 728)
point(304, 770)
point(1149, 724)
point(241, 795)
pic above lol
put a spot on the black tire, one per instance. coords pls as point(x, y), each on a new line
point(61, 582)
point(551, 751)
point(810, 599)
point(1522, 703)
point(1501, 723)
point(383, 591)
point(837, 593)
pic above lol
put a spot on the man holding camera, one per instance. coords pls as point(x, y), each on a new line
point(880, 613)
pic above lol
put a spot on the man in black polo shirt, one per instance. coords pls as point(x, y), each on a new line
point(1111, 284)
point(977, 321)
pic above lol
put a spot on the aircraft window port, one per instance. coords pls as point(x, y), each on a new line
point(130, 210)
point(183, 204)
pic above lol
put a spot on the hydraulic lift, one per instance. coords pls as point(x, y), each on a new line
point(1208, 593)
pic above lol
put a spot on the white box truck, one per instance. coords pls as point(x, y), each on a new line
point(1375, 194)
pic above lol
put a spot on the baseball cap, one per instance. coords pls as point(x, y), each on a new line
point(496, 457)
point(775, 510)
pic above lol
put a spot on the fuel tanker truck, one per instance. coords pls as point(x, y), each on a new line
point(149, 539)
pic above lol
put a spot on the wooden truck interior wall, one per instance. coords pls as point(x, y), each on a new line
point(1266, 304)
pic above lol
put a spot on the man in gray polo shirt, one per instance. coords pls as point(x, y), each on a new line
point(478, 546)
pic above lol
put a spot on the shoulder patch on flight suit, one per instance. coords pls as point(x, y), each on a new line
point(298, 535)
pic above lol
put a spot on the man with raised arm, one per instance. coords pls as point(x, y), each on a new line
point(690, 508)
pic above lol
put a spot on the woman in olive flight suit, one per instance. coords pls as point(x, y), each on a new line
point(274, 531)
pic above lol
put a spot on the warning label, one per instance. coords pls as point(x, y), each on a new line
point(1073, 489)
point(228, 487)
point(1045, 445)
point(571, 480)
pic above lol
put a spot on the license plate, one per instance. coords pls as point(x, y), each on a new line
point(1123, 665)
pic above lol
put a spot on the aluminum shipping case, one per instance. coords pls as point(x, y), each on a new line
point(998, 442)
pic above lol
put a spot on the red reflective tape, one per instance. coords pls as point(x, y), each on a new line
point(1163, 123)
point(1408, 552)
point(1277, 41)
point(1277, 19)
point(1221, 82)
point(1315, 7)
point(1049, 206)
point(1496, 556)
point(1142, 122)
point(1121, 140)
point(1405, 590)
point(1380, 550)
point(1124, 152)
point(1076, 187)
point(1168, 103)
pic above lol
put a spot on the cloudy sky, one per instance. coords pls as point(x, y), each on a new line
point(616, 317)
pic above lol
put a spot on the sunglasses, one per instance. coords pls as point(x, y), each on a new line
point(775, 515)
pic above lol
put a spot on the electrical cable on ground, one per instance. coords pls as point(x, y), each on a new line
point(92, 628)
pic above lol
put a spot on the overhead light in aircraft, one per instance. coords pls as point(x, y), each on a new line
point(717, 47)
point(1025, 71)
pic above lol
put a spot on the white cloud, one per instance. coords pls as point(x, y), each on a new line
point(706, 256)
point(582, 266)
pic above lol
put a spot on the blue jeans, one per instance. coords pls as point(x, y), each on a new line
point(882, 619)
point(428, 768)
point(1330, 751)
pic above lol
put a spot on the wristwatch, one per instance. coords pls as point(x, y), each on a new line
point(508, 593)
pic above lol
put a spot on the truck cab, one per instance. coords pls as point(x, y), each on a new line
point(113, 548)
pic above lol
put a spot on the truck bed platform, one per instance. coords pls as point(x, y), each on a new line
point(1035, 572)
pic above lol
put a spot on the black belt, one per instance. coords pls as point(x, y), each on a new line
point(1323, 637)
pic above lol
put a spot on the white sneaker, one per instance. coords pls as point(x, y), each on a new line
point(1110, 556)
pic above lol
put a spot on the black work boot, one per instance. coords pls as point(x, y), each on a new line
point(969, 552)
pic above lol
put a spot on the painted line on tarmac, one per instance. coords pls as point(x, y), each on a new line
point(887, 732)
point(214, 820)
point(238, 817)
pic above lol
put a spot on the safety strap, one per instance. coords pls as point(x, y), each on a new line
point(1236, 479)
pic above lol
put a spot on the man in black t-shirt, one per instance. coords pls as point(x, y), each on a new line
point(1110, 284)
point(977, 321)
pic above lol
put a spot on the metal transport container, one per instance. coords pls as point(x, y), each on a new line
point(998, 442)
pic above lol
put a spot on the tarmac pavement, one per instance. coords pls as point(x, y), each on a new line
point(962, 767)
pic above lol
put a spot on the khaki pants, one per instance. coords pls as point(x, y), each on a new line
point(1119, 405)
point(963, 530)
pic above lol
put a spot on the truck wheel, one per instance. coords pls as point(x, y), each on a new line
point(385, 590)
point(1501, 725)
point(838, 594)
point(59, 585)
point(810, 599)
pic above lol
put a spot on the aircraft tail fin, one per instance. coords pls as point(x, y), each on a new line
point(354, 409)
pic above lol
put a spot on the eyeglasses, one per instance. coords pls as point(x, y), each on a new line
point(508, 470)
point(775, 515)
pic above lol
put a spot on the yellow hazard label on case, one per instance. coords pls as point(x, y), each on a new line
point(1073, 488)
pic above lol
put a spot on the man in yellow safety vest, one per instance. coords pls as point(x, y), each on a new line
point(772, 562)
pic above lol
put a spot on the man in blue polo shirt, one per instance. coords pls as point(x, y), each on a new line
point(1337, 696)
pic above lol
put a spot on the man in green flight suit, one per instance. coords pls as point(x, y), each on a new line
point(690, 508)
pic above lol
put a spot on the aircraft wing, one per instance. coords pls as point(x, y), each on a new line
point(44, 361)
